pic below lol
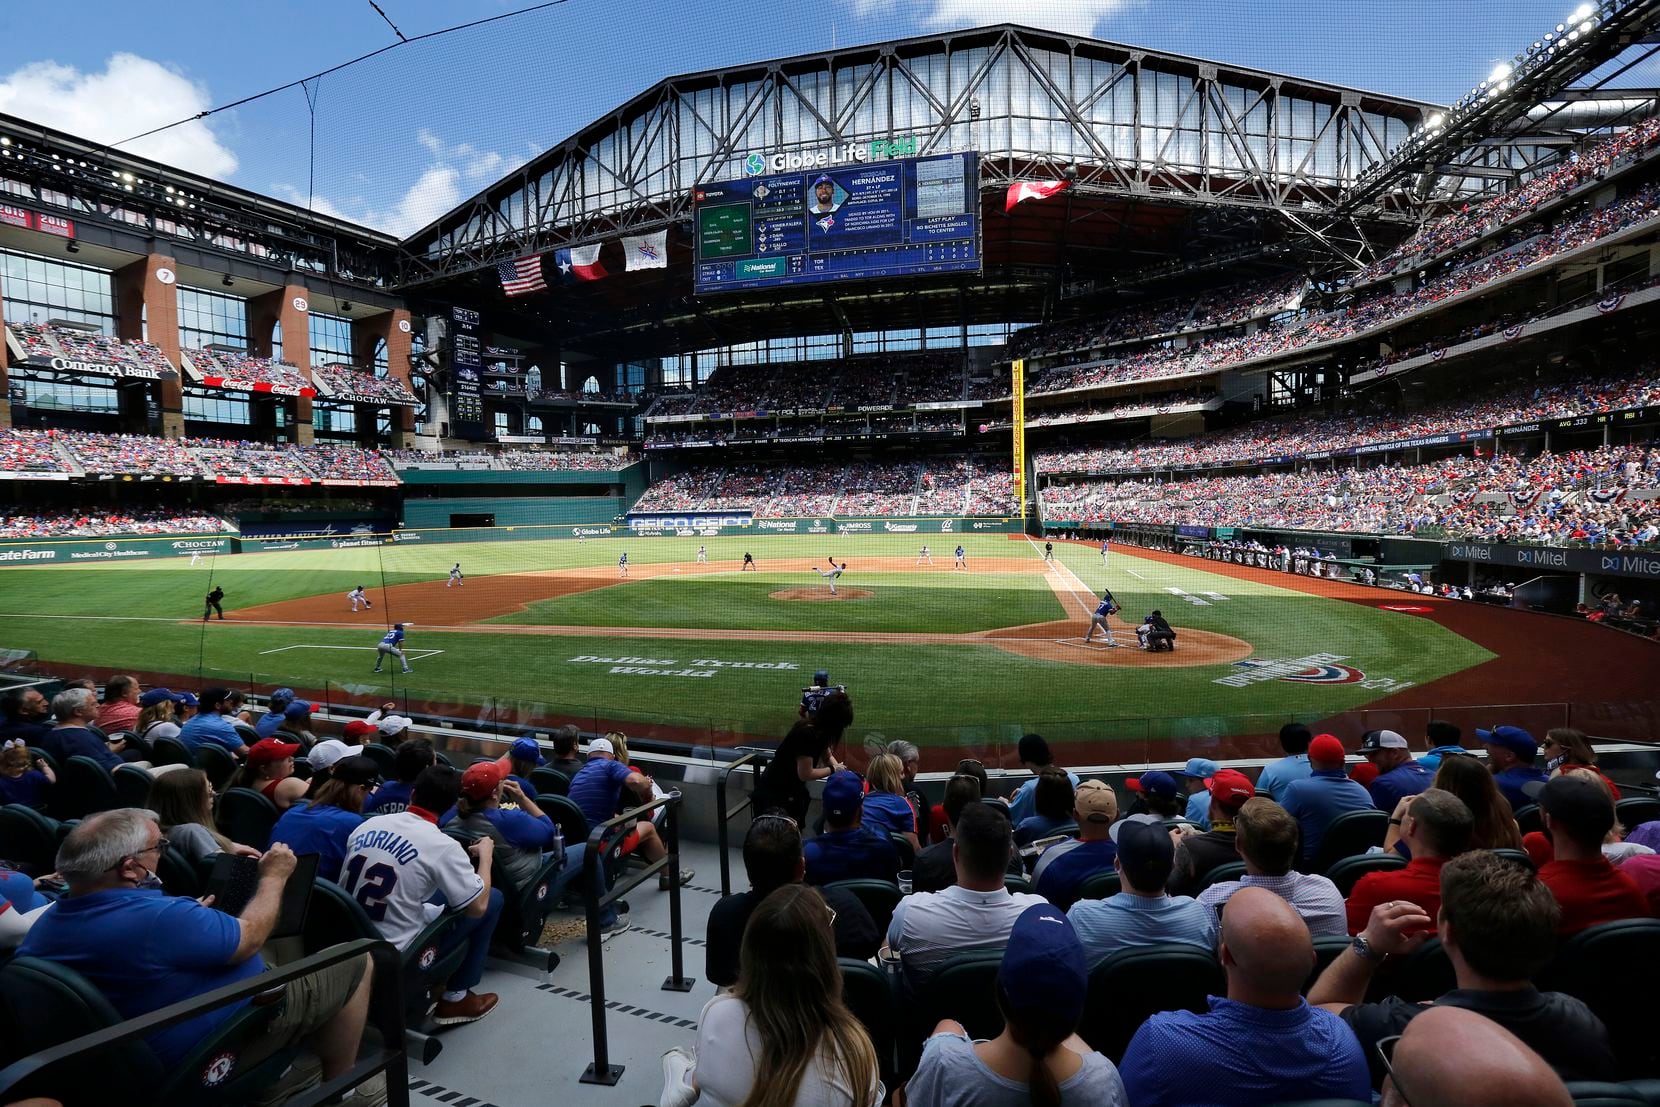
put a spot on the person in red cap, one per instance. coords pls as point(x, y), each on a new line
point(1198, 854)
point(270, 772)
point(359, 732)
point(1324, 794)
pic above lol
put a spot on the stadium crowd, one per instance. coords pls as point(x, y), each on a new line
point(940, 486)
point(348, 382)
point(24, 523)
point(46, 340)
point(516, 460)
point(247, 370)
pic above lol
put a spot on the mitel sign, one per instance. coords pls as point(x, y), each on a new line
point(847, 153)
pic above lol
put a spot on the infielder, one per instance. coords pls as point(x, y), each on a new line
point(702, 556)
point(195, 557)
point(357, 596)
point(1107, 606)
point(455, 577)
point(923, 557)
point(392, 644)
point(622, 564)
point(831, 573)
point(962, 560)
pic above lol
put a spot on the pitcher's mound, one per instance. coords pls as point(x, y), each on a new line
point(820, 595)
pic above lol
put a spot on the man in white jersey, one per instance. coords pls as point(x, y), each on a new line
point(358, 596)
point(1107, 606)
point(395, 864)
point(702, 556)
point(195, 556)
point(455, 580)
point(831, 573)
point(923, 557)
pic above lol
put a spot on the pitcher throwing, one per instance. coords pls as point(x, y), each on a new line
point(831, 573)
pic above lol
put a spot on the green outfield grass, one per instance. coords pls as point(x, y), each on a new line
point(142, 616)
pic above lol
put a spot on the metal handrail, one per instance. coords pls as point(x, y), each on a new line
point(386, 1014)
point(758, 759)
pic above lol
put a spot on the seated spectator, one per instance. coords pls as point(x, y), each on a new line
point(325, 824)
point(1468, 779)
point(24, 778)
point(1324, 794)
point(523, 757)
point(1267, 839)
point(1052, 807)
point(848, 850)
point(322, 758)
point(358, 732)
point(1038, 1058)
point(1510, 754)
point(773, 859)
point(1142, 914)
point(1034, 754)
point(296, 725)
point(144, 950)
point(1615, 847)
point(1451, 1057)
point(26, 715)
point(887, 811)
point(783, 1035)
point(565, 758)
point(408, 762)
point(1436, 827)
point(158, 714)
point(977, 912)
point(183, 805)
point(239, 711)
point(1157, 793)
point(1398, 775)
point(1578, 815)
point(1498, 926)
point(392, 727)
point(1443, 738)
point(415, 872)
point(802, 756)
point(1198, 854)
point(120, 710)
point(21, 906)
point(1194, 774)
point(597, 790)
point(1567, 748)
point(935, 869)
point(75, 710)
point(267, 724)
point(210, 724)
point(1263, 1044)
point(1062, 868)
point(269, 771)
point(1294, 740)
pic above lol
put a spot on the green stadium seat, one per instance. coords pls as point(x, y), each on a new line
point(1529, 819)
point(1615, 969)
point(1129, 986)
point(906, 851)
point(180, 876)
point(549, 781)
point(36, 753)
point(384, 756)
point(963, 988)
point(525, 907)
point(217, 762)
point(1597, 1093)
point(1221, 874)
point(869, 995)
point(1016, 883)
point(1421, 975)
point(1327, 947)
point(880, 897)
point(246, 817)
point(567, 815)
point(1517, 855)
point(333, 916)
point(132, 785)
point(1350, 835)
point(1349, 870)
point(84, 788)
point(170, 751)
point(1101, 885)
point(1634, 811)
point(28, 839)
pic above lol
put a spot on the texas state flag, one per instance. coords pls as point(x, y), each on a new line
point(1032, 190)
point(579, 263)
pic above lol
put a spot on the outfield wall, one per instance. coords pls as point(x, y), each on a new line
point(76, 551)
point(513, 511)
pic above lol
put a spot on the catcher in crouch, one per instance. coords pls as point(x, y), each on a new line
point(1107, 606)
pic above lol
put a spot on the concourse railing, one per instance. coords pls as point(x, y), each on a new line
point(757, 762)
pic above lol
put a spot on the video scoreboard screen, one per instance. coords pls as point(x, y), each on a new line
point(909, 216)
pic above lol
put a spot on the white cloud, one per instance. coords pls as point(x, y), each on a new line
point(1074, 17)
point(131, 95)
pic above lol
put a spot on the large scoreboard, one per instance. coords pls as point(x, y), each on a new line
point(904, 217)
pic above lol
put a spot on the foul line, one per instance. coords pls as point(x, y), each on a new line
point(414, 655)
point(1076, 587)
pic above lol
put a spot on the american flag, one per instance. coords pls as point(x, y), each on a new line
point(522, 275)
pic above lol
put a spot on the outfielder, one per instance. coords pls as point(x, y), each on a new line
point(1107, 606)
point(831, 573)
point(702, 556)
point(455, 577)
point(923, 557)
point(622, 564)
point(1103, 553)
point(357, 596)
point(195, 557)
point(392, 644)
point(962, 560)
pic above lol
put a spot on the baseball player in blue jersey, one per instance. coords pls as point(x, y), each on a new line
point(1107, 606)
point(831, 573)
point(622, 564)
point(392, 643)
point(961, 562)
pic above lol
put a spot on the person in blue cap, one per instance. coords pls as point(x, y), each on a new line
point(847, 850)
point(1157, 793)
point(1510, 755)
point(1194, 774)
point(1038, 1058)
point(523, 757)
point(266, 726)
point(824, 196)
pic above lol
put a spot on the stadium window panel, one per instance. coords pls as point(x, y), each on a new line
point(331, 339)
point(207, 318)
point(63, 396)
point(41, 289)
point(213, 407)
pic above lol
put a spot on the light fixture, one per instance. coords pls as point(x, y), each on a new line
point(72, 246)
point(1435, 121)
point(227, 282)
point(1581, 12)
point(1500, 73)
point(345, 305)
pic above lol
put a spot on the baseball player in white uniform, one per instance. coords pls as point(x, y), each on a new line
point(962, 560)
point(831, 573)
point(702, 556)
point(396, 863)
point(923, 557)
point(455, 577)
point(195, 557)
point(1107, 606)
point(358, 596)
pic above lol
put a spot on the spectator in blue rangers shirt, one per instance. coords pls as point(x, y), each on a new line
point(886, 809)
point(1398, 774)
point(847, 850)
point(323, 825)
point(1443, 738)
point(1261, 1045)
point(1194, 774)
point(1294, 740)
point(1063, 868)
point(598, 787)
point(210, 724)
point(267, 724)
point(1141, 914)
point(1510, 754)
point(1034, 755)
point(1266, 837)
point(407, 762)
point(1326, 793)
point(1053, 807)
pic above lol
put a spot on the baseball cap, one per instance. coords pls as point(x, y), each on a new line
point(1144, 849)
point(1326, 750)
point(395, 724)
point(1200, 768)
point(269, 749)
point(1512, 738)
point(1155, 783)
point(299, 709)
point(215, 694)
point(1043, 965)
point(526, 749)
point(357, 730)
point(356, 769)
point(844, 793)
point(1095, 801)
point(281, 695)
point(1580, 805)
point(601, 745)
point(186, 699)
point(155, 696)
point(481, 780)
point(1374, 740)
point(327, 752)
point(823, 178)
point(1231, 787)
point(1128, 820)
point(397, 626)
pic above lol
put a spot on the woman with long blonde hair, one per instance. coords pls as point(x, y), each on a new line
point(783, 1037)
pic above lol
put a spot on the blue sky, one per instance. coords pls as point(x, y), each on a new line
point(404, 137)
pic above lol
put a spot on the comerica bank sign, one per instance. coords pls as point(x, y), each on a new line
point(847, 153)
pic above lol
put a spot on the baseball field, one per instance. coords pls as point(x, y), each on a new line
point(962, 661)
